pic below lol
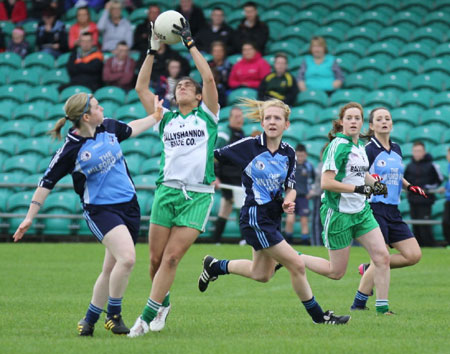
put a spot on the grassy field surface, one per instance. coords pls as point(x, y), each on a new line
point(46, 288)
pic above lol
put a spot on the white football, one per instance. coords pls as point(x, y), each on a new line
point(164, 25)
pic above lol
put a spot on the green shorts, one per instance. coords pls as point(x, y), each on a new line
point(171, 208)
point(339, 229)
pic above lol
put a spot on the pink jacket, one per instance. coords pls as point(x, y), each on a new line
point(249, 73)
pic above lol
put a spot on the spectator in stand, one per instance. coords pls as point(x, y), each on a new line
point(12, 10)
point(141, 32)
point(193, 14)
point(221, 69)
point(2, 41)
point(113, 27)
point(279, 83)
point(119, 69)
point(165, 86)
point(18, 43)
point(85, 64)
point(252, 29)
point(93, 4)
point(218, 30)
point(162, 57)
point(250, 70)
point(51, 36)
point(38, 6)
point(319, 71)
point(446, 215)
point(83, 24)
point(422, 172)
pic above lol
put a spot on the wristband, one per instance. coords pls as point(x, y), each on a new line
point(36, 203)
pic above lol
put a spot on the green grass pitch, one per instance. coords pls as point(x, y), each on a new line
point(46, 288)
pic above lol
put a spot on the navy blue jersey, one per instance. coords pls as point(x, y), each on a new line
point(304, 178)
point(389, 165)
point(265, 175)
point(99, 172)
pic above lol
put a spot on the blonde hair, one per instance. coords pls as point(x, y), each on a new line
point(337, 127)
point(75, 107)
point(319, 41)
point(255, 109)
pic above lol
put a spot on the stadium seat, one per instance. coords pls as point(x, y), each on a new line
point(318, 132)
point(317, 98)
point(397, 82)
point(146, 180)
point(16, 128)
point(427, 81)
point(296, 32)
point(132, 97)
point(303, 114)
point(347, 62)
point(386, 98)
point(287, 6)
point(290, 47)
point(400, 132)
point(430, 133)
point(61, 61)
point(372, 65)
point(8, 106)
point(319, 6)
point(395, 34)
point(327, 115)
point(353, 48)
point(43, 163)
point(60, 203)
point(150, 166)
point(417, 51)
point(343, 96)
point(371, 17)
point(330, 33)
point(404, 65)
point(436, 19)
point(442, 50)
point(32, 179)
point(109, 109)
point(138, 15)
point(384, 50)
point(238, 93)
point(439, 152)
point(130, 112)
point(439, 116)
point(364, 81)
point(34, 146)
point(134, 162)
point(437, 65)
point(56, 77)
point(341, 18)
point(7, 27)
point(275, 15)
point(314, 148)
point(10, 60)
point(419, 98)
point(32, 110)
point(43, 93)
point(138, 146)
point(441, 100)
point(72, 90)
point(110, 93)
point(408, 115)
point(55, 112)
point(40, 60)
point(19, 203)
point(406, 18)
point(26, 163)
point(145, 202)
point(11, 177)
point(304, 18)
point(8, 146)
point(16, 93)
point(428, 35)
point(4, 72)
point(30, 76)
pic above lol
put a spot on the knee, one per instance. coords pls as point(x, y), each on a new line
point(297, 267)
point(261, 277)
point(155, 262)
point(382, 258)
point(128, 260)
point(171, 261)
point(337, 275)
point(414, 258)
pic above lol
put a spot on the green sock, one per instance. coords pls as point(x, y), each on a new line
point(150, 310)
point(382, 306)
point(166, 301)
point(299, 253)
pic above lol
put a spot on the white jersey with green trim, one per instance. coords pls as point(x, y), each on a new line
point(350, 163)
point(187, 159)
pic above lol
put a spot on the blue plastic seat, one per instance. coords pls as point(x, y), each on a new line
point(56, 77)
point(238, 93)
point(372, 65)
point(343, 96)
point(404, 65)
point(432, 81)
point(6, 113)
point(364, 80)
point(318, 132)
point(442, 50)
point(43, 93)
point(428, 35)
point(303, 114)
point(31, 110)
point(436, 116)
point(313, 97)
point(150, 166)
point(328, 115)
point(34, 146)
point(138, 146)
point(441, 100)
point(39, 60)
point(437, 65)
point(16, 128)
point(395, 34)
point(72, 90)
point(418, 51)
point(31, 76)
point(400, 132)
point(386, 98)
point(418, 98)
point(398, 82)
point(16, 93)
point(132, 97)
point(430, 133)
point(10, 60)
point(110, 93)
point(130, 112)
point(26, 163)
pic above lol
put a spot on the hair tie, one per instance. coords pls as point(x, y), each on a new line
point(85, 108)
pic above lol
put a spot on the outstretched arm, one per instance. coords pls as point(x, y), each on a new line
point(140, 125)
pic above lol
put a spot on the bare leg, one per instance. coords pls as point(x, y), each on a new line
point(289, 226)
point(335, 268)
point(101, 287)
point(304, 225)
point(158, 236)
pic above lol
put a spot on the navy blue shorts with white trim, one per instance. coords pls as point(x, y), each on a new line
point(103, 218)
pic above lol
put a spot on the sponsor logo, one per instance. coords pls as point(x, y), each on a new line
point(85, 156)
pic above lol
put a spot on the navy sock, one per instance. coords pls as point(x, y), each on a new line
point(360, 300)
point(220, 267)
point(93, 314)
point(305, 236)
point(114, 306)
point(314, 310)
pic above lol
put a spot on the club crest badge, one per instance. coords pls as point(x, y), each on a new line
point(85, 156)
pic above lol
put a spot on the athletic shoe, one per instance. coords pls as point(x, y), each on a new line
point(115, 324)
point(85, 328)
point(363, 267)
point(277, 266)
point(207, 274)
point(387, 313)
point(330, 318)
point(357, 308)
point(139, 328)
point(159, 321)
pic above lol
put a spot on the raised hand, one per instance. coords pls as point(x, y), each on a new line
point(417, 190)
point(153, 41)
point(380, 189)
point(185, 33)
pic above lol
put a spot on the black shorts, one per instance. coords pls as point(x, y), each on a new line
point(227, 194)
point(391, 223)
point(261, 225)
point(103, 218)
point(301, 206)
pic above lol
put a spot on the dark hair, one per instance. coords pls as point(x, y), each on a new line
point(419, 143)
point(250, 4)
point(198, 87)
point(219, 43)
point(121, 43)
point(253, 44)
point(337, 127)
point(370, 133)
point(300, 148)
point(84, 8)
point(87, 33)
point(281, 55)
point(217, 8)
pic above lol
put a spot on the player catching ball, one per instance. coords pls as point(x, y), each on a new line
point(184, 194)
point(269, 172)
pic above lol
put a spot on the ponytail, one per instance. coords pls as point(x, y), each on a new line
point(255, 109)
point(56, 131)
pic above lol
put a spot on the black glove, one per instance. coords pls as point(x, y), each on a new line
point(185, 32)
point(366, 190)
point(380, 189)
point(153, 44)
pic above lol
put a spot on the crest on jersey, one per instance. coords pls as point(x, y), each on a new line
point(260, 165)
point(112, 139)
point(381, 163)
point(85, 156)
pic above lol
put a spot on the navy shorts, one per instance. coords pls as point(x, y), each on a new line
point(391, 223)
point(301, 206)
point(261, 225)
point(103, 218)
